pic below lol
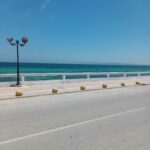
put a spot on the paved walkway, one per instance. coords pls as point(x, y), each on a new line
point(45, 87)
point(115, 119)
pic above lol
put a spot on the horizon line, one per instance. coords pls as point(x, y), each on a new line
point(103, 63)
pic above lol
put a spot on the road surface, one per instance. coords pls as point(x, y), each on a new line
point(116, 119)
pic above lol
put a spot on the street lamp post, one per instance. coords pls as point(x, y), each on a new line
point(17, 44)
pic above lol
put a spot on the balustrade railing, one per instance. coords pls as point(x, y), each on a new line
point(71, 76)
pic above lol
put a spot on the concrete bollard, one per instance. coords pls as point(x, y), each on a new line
point(54, 91)
point(104, 86)
point(137, 83)
point(82, 88)
point(123, 84)
point(19, 93)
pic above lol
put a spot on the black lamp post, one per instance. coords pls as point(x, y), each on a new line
point(17, 44)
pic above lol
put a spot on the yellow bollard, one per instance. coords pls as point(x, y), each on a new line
point(54, 91)
point(137, 83)
point(104, 86)
point(19, 93)
point(82, 88)
point(123, 84)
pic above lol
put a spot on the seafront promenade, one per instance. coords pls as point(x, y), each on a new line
point(39, 88)
point(115, 119)
point(107, 113)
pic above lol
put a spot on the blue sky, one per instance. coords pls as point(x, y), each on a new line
point(77, 31)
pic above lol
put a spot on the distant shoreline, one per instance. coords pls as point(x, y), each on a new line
point(90, 64)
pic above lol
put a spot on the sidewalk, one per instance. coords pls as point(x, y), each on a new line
point(45, 87)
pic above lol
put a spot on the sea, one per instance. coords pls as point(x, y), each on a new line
point(10, 68)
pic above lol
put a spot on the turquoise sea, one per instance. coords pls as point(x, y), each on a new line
point(46, 68)
point(8, 68)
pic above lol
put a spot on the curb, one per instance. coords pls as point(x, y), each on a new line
point(68, 92)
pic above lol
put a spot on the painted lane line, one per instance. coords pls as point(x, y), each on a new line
point(70, 126)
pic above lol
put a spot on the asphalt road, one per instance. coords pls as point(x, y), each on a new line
point(116, 119)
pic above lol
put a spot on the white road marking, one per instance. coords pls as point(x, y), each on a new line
point(70, 126)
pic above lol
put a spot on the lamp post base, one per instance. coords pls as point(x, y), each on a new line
point(18, 83)
point(15, 85)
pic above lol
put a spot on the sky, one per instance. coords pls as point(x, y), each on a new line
point(76, 31)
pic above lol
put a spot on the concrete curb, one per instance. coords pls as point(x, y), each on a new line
point(68, 92)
